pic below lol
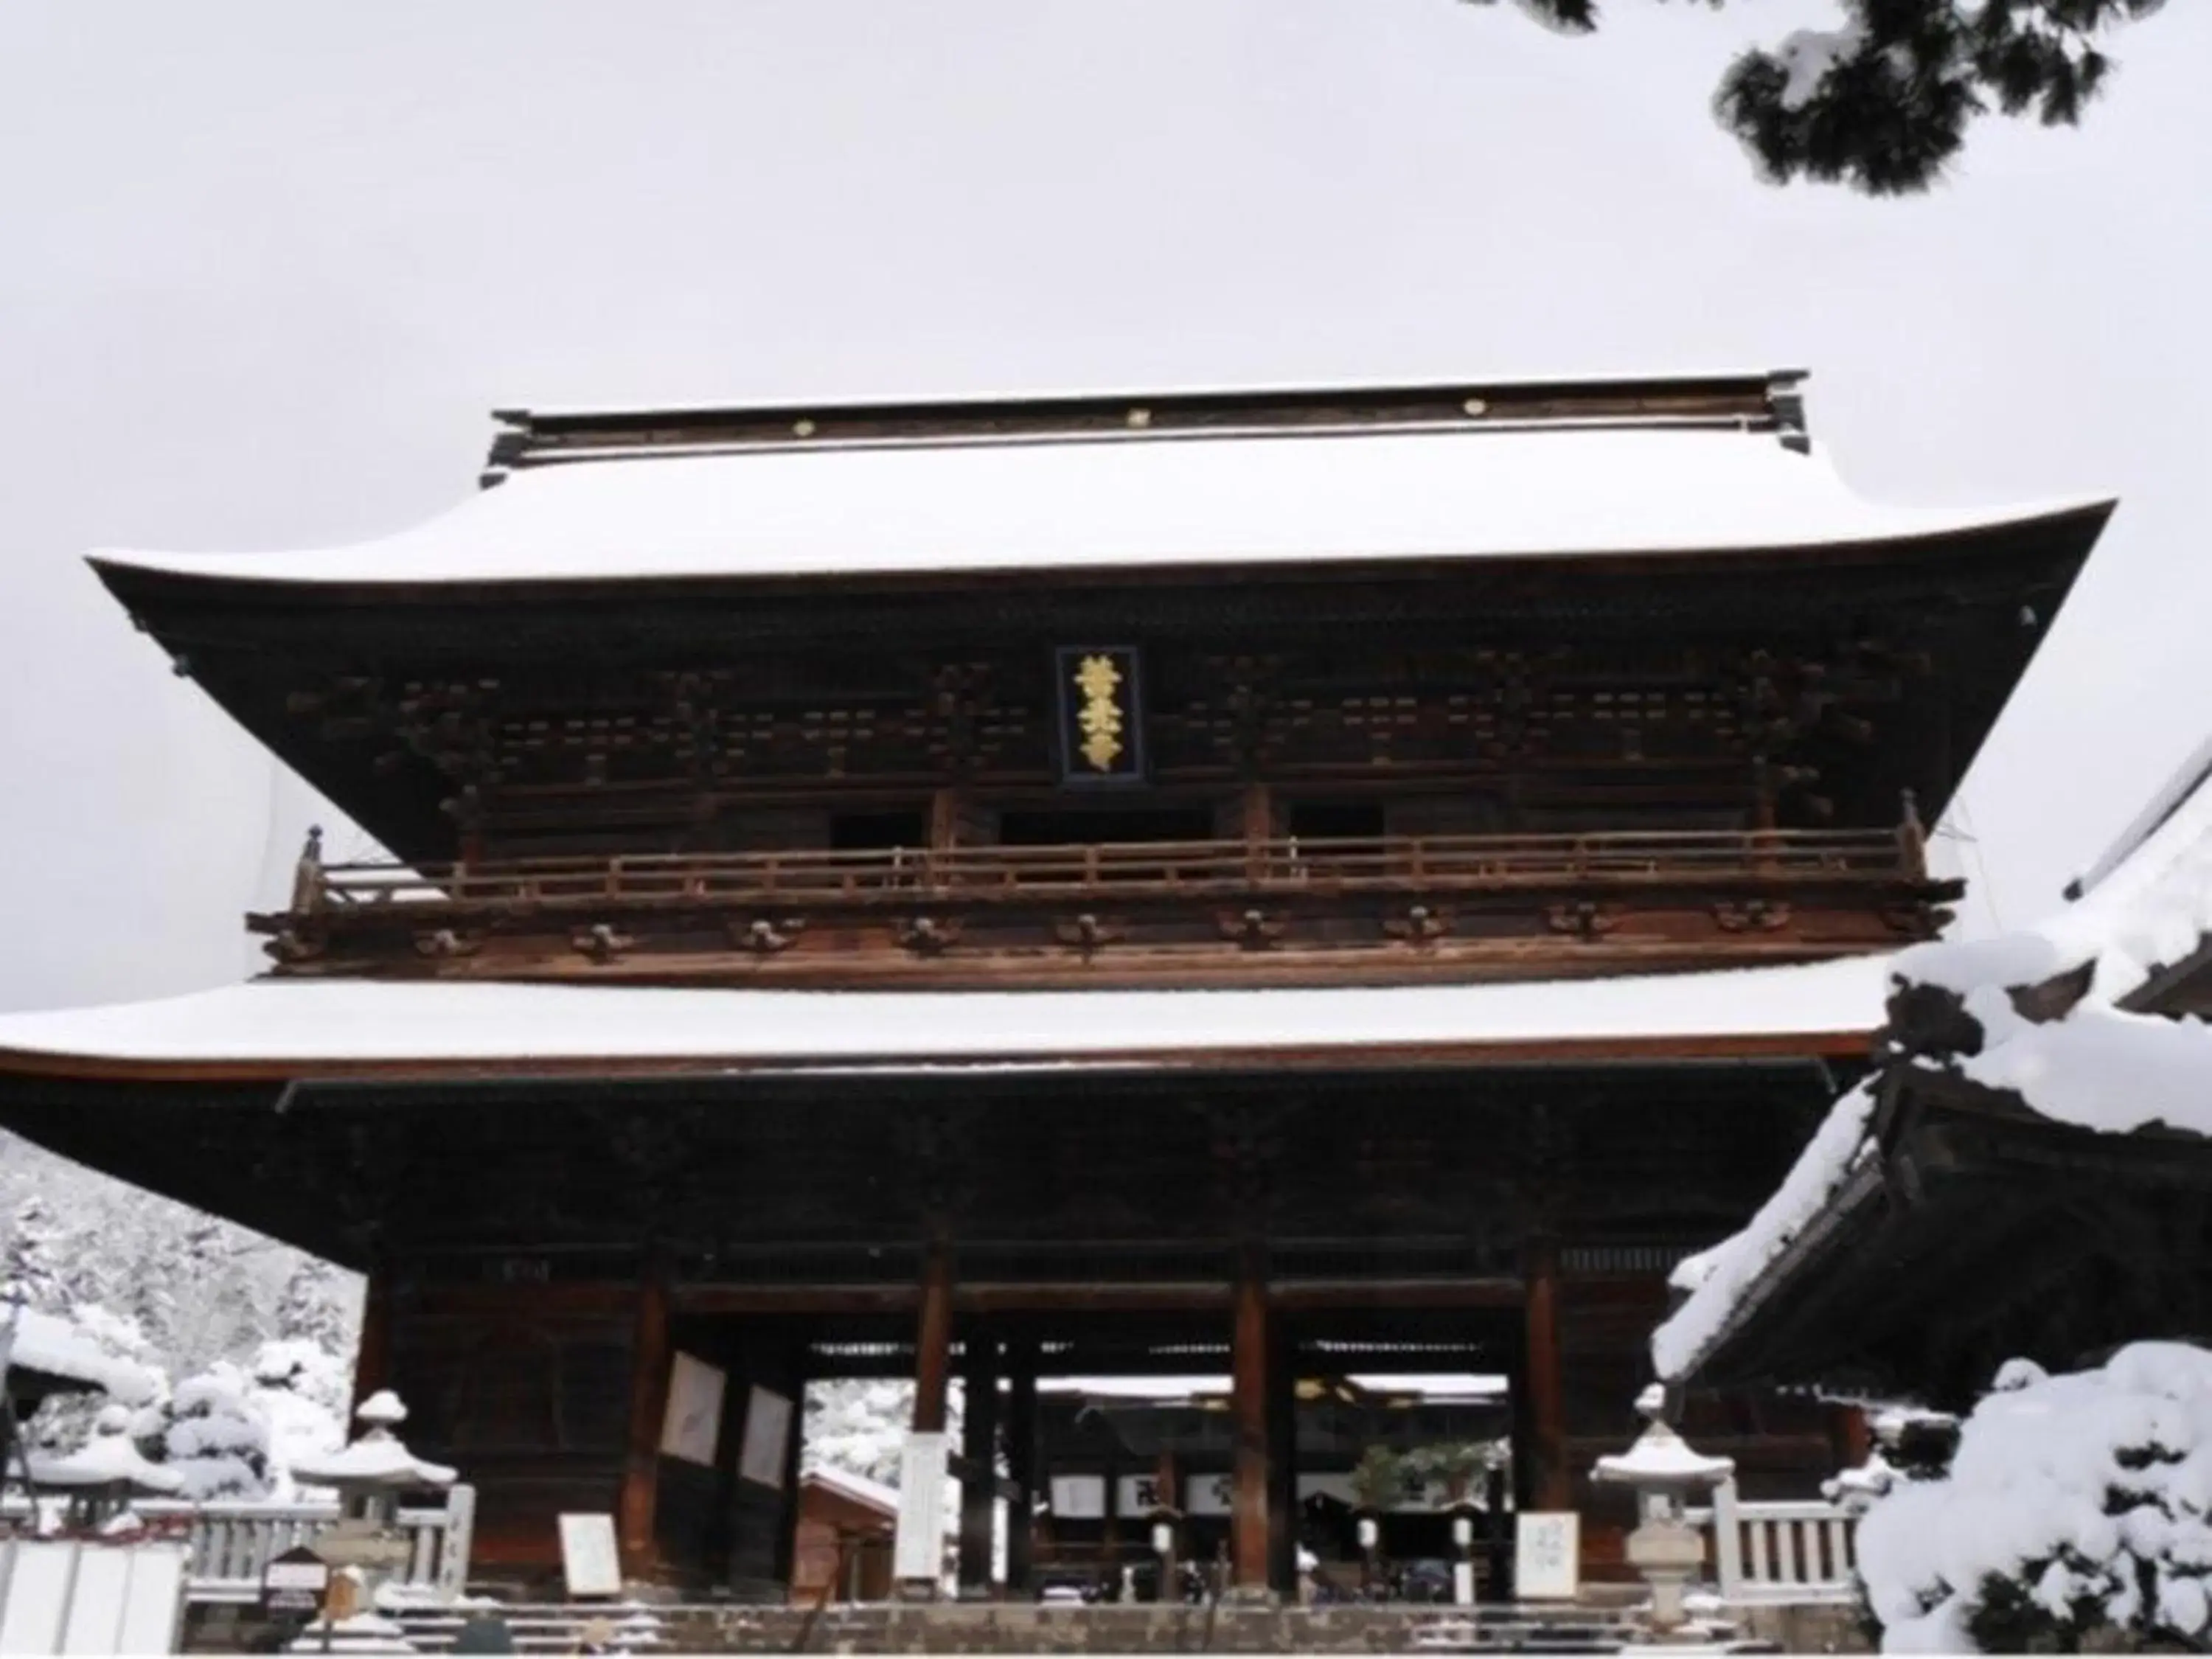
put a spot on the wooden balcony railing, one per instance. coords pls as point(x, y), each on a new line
point(984, 874)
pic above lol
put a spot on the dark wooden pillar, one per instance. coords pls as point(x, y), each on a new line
point(932, 1340)
point(1022, 1466)
point(1854, 1438)
point(1249, 1531)
point(979, 1453)
point(649, 1404)
point(1109, 1543)
point(1550, 1484)
point(1282, 1461)
point(1167, 1488)
point(372, 1363)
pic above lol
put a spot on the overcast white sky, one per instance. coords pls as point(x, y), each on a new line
point(263, 267)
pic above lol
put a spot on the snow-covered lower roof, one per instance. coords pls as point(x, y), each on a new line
point(52, 1346)
point(1166, 500)
point(110, 1458)
point(324, 1027)
point(2099, 1066)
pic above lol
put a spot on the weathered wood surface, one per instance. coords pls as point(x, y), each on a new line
point(1394, 908)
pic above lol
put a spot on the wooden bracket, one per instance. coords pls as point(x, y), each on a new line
point(1086, 932)
point(764, 937)
point(1915, 918)
point(928, 936)
point(1585, 919)
point(1761, 915)
point(1421, 924)
point(1255, 929)
point(296, 945)
point(601, 943)
point(442, 942)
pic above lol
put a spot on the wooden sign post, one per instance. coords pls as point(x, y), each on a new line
point(590, 1562)
point(295, 1582)
point(1547, 1555)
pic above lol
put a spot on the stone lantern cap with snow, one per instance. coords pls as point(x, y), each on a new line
point(379, 1461)
point(1662, 1465)
point(109, 1462)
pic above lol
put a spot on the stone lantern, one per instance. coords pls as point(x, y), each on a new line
point(366, 1545)
point(1665, 1475)
point(103, 1475)
point(370, 1474)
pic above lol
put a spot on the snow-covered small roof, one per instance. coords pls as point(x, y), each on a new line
point(1661, 1457)
point(2101, 1067)
point(858, 1487)
point(1479, 491)
point(379, 1458)
point(325, 1026)
point(110, 1458)
point(50, 1345)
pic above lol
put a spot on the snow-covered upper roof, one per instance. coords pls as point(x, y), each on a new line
point(1146, 500)
point(328, 1025)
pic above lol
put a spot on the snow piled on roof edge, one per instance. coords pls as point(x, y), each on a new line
point(2100, 1067)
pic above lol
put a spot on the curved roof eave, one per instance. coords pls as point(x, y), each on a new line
point(270, 1029)
point(1181, 503)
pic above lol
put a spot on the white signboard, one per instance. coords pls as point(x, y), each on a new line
point(768, 1438)
point(691, 1427)
point(590, 1560)
point(1079, 1497)
point(918, 1547)
point(1547, 1555)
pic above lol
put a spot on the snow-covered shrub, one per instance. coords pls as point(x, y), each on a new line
point(301, 1391)
point(2077, 1507)
point(216, 1437)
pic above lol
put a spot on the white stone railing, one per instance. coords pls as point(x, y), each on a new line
point(230, 1544)
point(1777, 1554)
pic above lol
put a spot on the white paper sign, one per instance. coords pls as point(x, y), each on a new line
point(918, 1547)
point(768, 1438)
point(691, 1428)
point(590, 1560)
point(1547, 1555)
point(1079, 1497)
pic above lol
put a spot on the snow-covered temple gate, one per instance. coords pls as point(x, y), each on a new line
point(1351, 880)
